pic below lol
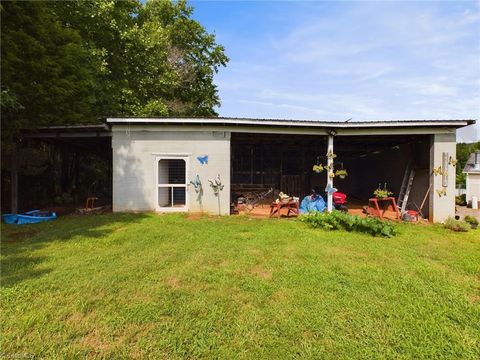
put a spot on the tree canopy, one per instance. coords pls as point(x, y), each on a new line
point(77, 61)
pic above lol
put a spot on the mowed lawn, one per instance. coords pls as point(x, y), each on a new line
point(151, 286)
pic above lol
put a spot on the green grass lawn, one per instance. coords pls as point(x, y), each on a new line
point(149, 286)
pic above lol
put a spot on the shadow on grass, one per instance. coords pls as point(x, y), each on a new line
point(19, 242)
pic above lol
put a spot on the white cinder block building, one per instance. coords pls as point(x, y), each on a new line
point(165, 164)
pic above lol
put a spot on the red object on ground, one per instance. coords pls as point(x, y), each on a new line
point(339, 198)
point(413, 214)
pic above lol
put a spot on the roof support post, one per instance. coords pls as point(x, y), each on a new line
point(14, 179)
point(329, 171)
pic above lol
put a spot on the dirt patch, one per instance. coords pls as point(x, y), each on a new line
point(261, 272)
point(474, 299)
point(194, 216)
point(174, 282)
point(94, 341)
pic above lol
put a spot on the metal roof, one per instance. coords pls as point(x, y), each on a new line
point(230, 121)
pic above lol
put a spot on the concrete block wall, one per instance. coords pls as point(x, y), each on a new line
point(135, 151)
point(441, 207)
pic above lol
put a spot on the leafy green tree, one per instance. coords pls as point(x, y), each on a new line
point(463, 153)
point(47, 76)
point(156, 60)
point(74, 62)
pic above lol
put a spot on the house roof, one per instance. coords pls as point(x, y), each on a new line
point(470, 165)
point(231, 121)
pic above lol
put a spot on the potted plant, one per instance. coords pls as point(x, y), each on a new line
point(341, 173)
point(318, 168)
point(472, 221)
point(382, 193)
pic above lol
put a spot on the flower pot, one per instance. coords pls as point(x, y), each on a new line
point(341, 176)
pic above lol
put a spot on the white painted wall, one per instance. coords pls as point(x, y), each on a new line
point(441, 207)
point(473, 186)
point(134, 167)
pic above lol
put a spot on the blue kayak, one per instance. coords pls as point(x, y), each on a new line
point(30, 217)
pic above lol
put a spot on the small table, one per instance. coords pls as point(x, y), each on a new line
point(375, 209)
point(291, 205)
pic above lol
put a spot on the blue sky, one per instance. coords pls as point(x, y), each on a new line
point(340, 60)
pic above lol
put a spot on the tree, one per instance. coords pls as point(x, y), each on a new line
point(156, 60)
point(463, 153)
point(47, 76)
point(75, 62)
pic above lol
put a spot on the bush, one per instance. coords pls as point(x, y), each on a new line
point(456, 225)
point(461, 200)
point(471, 220)
point(337, 220)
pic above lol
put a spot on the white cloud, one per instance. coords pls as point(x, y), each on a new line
point(364, 60)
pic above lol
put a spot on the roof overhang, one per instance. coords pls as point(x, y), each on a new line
point(312, 124)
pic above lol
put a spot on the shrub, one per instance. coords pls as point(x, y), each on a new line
point(456, 225)
point(461, 200)
point(337, 220)
point(471, 220)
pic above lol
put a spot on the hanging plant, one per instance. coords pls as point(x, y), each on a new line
point(329, 167)
point(318, 168)
point(341, 173)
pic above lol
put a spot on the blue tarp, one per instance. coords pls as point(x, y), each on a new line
point(310, 203)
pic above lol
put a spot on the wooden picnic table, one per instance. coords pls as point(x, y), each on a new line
point(375, 209)
point(291, 205)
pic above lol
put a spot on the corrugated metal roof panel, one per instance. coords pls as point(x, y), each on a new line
point(292, 123)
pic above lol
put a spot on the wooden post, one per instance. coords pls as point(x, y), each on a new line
point(251, 165)
point(14, 179)
point(329, 179)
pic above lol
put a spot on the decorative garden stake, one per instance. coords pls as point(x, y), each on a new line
point(197, 184)
point(216, 185)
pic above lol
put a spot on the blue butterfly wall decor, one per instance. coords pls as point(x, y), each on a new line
point(203, 160)
point(330, 190)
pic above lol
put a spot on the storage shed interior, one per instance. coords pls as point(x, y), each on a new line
point(285, 162)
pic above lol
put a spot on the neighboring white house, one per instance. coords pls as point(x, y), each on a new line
point(168, 164)
point(472, 171)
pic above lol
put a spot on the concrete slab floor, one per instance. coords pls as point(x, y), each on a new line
point(462, 211)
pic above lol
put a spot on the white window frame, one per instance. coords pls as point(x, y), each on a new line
point(157, 185)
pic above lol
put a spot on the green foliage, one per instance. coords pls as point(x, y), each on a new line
point(68, 62)
point(471, 220)
point(47, 74)
point(456, 225)
point(144, 286)
point(382, 193)
point(461, 200)
point(72, 62)
point(341, 172)
point(337, 220)
point(463, 152)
